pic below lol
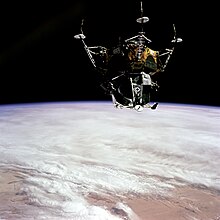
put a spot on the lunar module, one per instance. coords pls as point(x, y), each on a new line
point(127, 70)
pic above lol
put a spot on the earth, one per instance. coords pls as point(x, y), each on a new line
point(91, 161)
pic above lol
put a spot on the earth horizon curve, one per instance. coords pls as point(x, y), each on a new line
point(88, 160)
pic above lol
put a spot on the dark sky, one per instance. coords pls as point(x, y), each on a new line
point(41, 61)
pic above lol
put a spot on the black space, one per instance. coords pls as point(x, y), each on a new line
point(41, 61)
